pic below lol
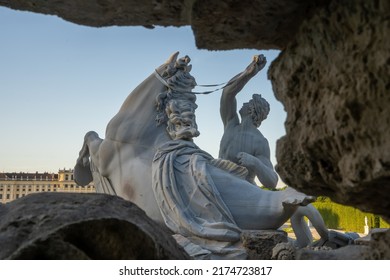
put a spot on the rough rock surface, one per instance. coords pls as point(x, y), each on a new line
point(229, 24)
point(260, 24)
point(350, 252)
point(284, 251)
point(378, 248)
point(81, 226)
point(380, 245)
point(259, 243)
point(333, 81)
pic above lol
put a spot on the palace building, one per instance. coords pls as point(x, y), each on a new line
point(15, 185)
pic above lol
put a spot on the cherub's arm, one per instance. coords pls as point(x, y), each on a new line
point(228, 105)
point(261, 165)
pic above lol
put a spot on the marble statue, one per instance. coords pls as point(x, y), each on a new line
point(243, 144)
point(148, 157)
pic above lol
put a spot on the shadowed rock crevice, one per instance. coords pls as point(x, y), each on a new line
point(96, 239)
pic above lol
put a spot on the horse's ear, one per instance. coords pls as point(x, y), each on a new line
point(170, 62)
point(172, 59)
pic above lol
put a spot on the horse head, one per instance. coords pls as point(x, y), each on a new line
point(142, 118)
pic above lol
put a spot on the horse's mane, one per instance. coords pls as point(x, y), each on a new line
point(179, 84)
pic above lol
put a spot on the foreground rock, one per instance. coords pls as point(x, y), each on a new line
point(81, 226)
point(377, 247)
point(260, 243)
point(261, 24)
point(333, 80)
point(374, 246)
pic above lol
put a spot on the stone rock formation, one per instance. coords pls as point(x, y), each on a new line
point(260, 243)
point(217, 25)
point(333, 80)
point(81, 226)
point(376, 248)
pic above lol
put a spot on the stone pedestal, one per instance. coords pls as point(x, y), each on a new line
point(259, 243)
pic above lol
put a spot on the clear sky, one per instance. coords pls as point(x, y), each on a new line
point(59, 80)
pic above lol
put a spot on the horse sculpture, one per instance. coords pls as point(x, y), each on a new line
point(122, 164)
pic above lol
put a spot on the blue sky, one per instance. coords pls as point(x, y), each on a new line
point(59, 80)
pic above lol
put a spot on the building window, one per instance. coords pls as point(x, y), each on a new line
point(66, 177)
point(8, 196)
point(1, 196)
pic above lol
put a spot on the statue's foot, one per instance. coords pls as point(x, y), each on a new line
point(295, 198)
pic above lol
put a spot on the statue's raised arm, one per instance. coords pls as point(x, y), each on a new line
point(228, 106)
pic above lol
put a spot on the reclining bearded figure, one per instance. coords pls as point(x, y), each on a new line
point(148, 157)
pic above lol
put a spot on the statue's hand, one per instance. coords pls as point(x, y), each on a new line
point(258, 63)
point(246, 160)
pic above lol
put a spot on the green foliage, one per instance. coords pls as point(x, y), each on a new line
point(337, 216)
point(288, 229)
point(383, 224)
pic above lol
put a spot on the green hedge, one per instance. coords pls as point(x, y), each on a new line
point(337, 216)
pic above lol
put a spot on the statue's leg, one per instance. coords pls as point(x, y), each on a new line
point(317, 221)
point(90, 146)
point(301, 229)
point(88, 153)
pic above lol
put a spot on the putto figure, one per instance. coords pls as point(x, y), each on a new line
point(149, 158)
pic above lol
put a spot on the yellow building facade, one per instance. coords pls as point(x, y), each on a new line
point(15, 185)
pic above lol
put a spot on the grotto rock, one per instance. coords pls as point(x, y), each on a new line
point(230, 24)
point(260, 243)
point(375, 248)
point(333, 80)
point(81, 226)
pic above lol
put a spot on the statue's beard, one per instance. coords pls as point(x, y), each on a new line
point(187, 133)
